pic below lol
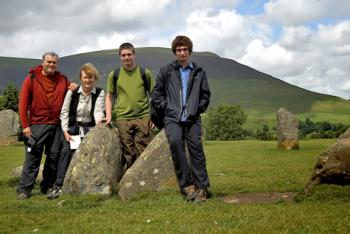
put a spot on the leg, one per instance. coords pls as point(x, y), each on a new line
point(197, 157)
point(126, 135)
point(30, 170)
point(32, 159)
point(174, 132)
point(52, 151)
point(142, 134)
point(63, 162)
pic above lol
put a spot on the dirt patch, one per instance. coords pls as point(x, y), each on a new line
point(247, 198)
point(8, 141)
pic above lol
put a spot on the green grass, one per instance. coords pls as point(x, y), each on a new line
point(234, 167)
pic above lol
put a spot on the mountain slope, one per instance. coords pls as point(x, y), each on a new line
point(230, 81)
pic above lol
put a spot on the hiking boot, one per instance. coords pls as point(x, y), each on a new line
point(46, 190)
point(201, 195)
point(189, 192)
point(55, 193)
point(23, 196)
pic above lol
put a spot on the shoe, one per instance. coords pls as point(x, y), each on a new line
point(189, 192)
point(55, 193)
point(46, 190)
point(22, 196)
point(201, 195)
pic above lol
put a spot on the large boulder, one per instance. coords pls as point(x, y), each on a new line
point(9, 124)
point(96, 165)
point(333, 165)
point(17, 172)
point(152, 171)
point(287, 130)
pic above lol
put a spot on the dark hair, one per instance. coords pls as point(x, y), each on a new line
point(52, 54)
point(182, 41)
point(126, 46)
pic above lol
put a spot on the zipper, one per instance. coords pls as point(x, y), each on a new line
point(180, 112)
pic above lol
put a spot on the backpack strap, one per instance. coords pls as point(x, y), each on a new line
point(115, 79)
point(146, 82)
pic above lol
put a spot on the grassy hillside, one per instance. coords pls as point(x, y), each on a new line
point(230, 82)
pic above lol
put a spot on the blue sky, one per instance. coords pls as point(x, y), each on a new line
point(303, 42)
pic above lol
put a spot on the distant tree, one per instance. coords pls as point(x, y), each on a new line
point(310, 129)
point(224, 122)
point(1, 103)
point(10, 98)
point(265, 134)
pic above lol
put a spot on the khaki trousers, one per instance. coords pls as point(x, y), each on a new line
point(135, 135)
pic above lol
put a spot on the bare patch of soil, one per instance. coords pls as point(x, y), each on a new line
point(248, 198)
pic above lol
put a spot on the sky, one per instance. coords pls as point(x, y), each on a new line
point(303, 42)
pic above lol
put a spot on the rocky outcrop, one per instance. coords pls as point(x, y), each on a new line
point(96, 165)
point(287, 130)
point(152, 171)
point(333, 165)
point(9, 124)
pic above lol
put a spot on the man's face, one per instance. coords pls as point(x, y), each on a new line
point(182, 54)
point(49, 65)
point(128, 58)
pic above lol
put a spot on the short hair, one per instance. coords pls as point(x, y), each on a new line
point(127, 46)
point(182, 41)
point(52, 54)
point(90, 70)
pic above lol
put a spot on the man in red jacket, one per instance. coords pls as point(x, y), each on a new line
point(41, 98)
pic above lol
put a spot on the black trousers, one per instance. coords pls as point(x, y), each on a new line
point(63, 162)
point(192, 171)
point(43, 136)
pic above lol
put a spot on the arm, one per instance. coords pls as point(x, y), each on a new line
point(111, 89)
point(109, 98)
point(71, 86)
point(25, 99)
point(65, 114)
point(99, 107)
point(158, 98)
point(204, 96)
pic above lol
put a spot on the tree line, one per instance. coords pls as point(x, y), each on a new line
point(225, 122)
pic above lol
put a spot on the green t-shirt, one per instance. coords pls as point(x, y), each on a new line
point(132, 102)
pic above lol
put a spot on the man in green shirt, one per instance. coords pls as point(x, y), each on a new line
point(131, 104)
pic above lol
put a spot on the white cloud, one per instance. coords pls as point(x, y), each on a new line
point(222, 32)
point(301, 11)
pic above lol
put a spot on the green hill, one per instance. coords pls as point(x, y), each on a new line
point(230, 81)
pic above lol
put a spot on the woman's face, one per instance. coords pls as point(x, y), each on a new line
point(87, 81)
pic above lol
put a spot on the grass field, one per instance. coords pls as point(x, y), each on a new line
point(234, 168)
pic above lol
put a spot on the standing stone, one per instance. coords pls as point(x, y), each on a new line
point(9, 124)
point(333, 165)
point(96, 165)
point(287, 130)
point(152, 171)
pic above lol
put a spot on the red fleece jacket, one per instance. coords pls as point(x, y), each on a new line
point(34, 107)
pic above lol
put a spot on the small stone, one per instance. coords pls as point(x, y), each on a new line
point(155, 170)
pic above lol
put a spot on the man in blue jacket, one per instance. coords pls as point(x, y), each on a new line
point(181, 94)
